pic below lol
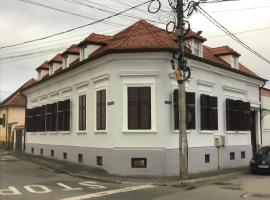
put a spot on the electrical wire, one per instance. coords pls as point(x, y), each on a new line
point(76, 28)
point(216, 23)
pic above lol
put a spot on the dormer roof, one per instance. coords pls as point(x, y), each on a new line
point(197, 36)
point(73, 49)
point(56, 59)
point(223, 51)
point(44, 66)
point(95, 39)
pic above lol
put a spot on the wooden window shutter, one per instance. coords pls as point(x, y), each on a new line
point(247, 115)
point(139, 108)
point(176, 109)
point(60, 115)
point(190, 110)
point(228, 114)
point(82, 112)
point(204, 111)
point(43, 118)
point(103, 109)
point(67, 115)
point(28, 120)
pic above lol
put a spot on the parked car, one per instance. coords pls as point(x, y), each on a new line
point(261, 160)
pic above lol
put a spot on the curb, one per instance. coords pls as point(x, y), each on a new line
point(112, 180)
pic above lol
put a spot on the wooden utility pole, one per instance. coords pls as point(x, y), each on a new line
point(183, 145)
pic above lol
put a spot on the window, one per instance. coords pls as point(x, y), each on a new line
point(41, 152)
point(82, 112)
point(209, 112)
point(196, 48)
point(51, 117)
point(243, 154)
point(139, 107)
point(29, 120)
point(80, 158)
point(190, 110)
point(138, 162)
point(4, 120)
point(207, 158)
point(101, 110)
point(32, 150)
point(1, 121)
point(99, 160)
point(65, 155)
point(52, 153)
point(63, 115)
point(232, 156)
point(235, 110)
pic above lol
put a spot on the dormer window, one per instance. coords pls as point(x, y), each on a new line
point(196, 48)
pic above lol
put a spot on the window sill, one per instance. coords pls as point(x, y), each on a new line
point(81, 132)
point(188, 131)
point(52, 133)
point(139, 131)
point(237, 132)
point(101, 131)
point(208, 131)
point(64, 132)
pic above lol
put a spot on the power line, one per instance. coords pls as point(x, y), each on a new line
point(78, 27)
point(233, 10)
point(216, 23)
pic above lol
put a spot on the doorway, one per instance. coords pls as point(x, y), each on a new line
point(253, 128)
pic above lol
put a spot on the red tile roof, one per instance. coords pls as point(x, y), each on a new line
point(224, 50)
point(265, 92)
point(73, 49)
point(95, 39)
point(56, 59)
point(17, 99)
point(44, 65)
point(145, 37)
point(194, 35)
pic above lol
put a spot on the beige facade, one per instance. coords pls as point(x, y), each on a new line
point(14, 116)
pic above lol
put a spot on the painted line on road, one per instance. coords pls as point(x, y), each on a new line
point(109, 192)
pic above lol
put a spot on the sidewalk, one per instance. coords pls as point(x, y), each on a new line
point(88, 172)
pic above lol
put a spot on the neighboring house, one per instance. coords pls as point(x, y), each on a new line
point(12, 116)
point(265, 100)
point(115, 105)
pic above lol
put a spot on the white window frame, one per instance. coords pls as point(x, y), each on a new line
point(139, 81)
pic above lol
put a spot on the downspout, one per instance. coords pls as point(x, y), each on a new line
point(24, 134)
point(260, 99)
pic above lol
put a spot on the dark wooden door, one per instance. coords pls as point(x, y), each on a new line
point(18, 142)
point(253, 128)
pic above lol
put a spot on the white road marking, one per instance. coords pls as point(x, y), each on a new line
point(67, 188)
point(92, 185)
point(109, 192)
point(42, 189)
point(10, 191)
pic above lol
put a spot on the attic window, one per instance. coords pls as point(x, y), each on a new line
point(196, 48)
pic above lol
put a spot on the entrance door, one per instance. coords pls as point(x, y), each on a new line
point(253, 131)
point(18, 142)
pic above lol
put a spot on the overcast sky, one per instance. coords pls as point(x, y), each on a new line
point(21, 21)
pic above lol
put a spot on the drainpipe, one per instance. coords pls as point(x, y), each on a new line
point(24, 132)
point(260, 99)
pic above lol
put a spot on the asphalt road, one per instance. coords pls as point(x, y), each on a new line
point(24, 180)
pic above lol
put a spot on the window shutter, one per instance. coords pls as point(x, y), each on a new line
point(103, 109)
point(145, 108)
point(60, 115)
point(82, 112)
point(228, 114)
point(133, 108)
point(247, 115)
point(204, 111)
point(1, 121)
point(213, 109)
point(43, 118)
point(67, 115)
point(176, 109)
point(190, 110)
point(139, 108)
point(54, 116)
point(28, 120)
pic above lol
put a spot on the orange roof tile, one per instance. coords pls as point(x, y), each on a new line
point(17, 99)
point(224, 50)
point(73, 49)
point(56, 59)
point(244, 69)
point(44, 65)
point(95, 39)
point(265, 92)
